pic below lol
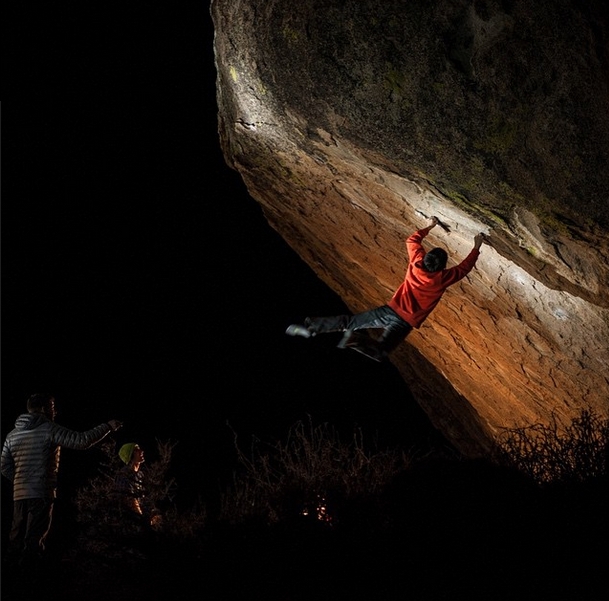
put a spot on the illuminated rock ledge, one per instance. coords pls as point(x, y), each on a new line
point(347, 120)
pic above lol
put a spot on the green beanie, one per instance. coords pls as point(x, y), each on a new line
point(126, 452)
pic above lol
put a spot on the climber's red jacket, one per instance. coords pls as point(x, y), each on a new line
point(421, 290)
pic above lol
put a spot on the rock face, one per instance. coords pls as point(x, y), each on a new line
point(352, 120)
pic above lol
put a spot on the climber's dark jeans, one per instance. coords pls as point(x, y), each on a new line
point(395, 329)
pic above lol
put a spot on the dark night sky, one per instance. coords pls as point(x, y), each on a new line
point(140, 281)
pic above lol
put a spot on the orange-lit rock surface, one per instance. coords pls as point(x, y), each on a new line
point(350, 120)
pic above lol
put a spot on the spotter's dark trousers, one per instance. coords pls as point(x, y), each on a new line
point(31, 525)
point(393, 328)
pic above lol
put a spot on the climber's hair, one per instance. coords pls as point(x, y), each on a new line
point(435, 260)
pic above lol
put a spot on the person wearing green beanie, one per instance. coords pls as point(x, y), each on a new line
point(129, 485)
point(129, 480)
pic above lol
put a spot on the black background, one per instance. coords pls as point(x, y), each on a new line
point(140, 281)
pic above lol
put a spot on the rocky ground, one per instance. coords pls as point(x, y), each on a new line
point(468, 532)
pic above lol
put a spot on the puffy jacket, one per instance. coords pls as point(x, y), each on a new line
point(30, 455)
point(421, 290)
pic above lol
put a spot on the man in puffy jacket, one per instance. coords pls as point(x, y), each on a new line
point(424, 284)
point(30, 460)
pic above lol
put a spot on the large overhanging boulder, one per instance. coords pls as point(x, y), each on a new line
point(351, 120)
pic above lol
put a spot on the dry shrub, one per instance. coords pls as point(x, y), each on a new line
point(553, 454)
point(107, 529)
point(311, 474)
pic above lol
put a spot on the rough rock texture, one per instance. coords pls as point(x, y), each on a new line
point(348, 119)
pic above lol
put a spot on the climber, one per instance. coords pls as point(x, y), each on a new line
point(424, 284)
